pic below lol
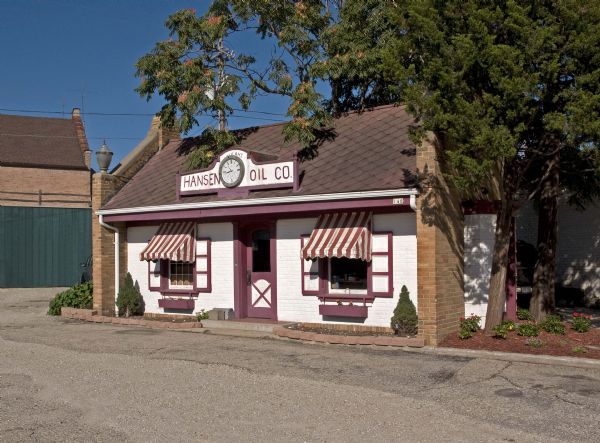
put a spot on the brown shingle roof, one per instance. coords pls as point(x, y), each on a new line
point(364, 152)
point(40, 142)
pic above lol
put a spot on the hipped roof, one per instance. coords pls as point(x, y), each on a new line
point(363, 151)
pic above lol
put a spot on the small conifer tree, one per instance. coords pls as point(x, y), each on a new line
point(130, 300)
point(404, 320)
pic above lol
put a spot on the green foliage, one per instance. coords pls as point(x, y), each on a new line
point(524, 314)
point(79, 296)
point(202, 314)
point(534, 343)
point(405, 321)
point(130, 300)
point(581, 322)
point(528, 330)
point(553, 324)
point(509, 325)
point(468, 326)
point(500, 331)
point(579, 349)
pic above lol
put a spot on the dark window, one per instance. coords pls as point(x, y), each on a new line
point(348, 273)
point(181, 274)
point(261, 251)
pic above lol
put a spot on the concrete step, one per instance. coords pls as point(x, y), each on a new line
point(241, 325)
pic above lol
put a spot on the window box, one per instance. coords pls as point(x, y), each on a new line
point(344, 311)
point(169, 303)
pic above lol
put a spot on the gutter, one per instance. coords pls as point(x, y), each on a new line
point(117, 257)
point(411, 192)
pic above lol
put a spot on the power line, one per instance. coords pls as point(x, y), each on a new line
point(138, 114)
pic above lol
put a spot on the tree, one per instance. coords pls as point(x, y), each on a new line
point(130, 300)
point(505, 86)
point(405, 320)
point(198, 72)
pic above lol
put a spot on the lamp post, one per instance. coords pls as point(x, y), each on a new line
point(104, 157)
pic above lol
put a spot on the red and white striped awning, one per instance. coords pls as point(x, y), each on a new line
point(173, 241)
point(341, 234)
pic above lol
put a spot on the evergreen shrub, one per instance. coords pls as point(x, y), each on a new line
point(130, 301)
point(79, 296)
point(405, 320)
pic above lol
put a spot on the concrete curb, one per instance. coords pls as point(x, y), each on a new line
point(92, 316)
point(348, 339)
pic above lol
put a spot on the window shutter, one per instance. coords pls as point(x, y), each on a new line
point(311, 282)
point(380, 271)
point(203, 265)
point(154, 275)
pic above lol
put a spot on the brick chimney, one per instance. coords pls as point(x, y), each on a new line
point(81, 137)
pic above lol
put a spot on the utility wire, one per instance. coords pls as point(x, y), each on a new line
point(137, 114)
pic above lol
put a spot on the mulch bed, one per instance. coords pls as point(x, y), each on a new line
point(557, 345)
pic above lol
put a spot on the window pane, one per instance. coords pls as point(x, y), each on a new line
point(181, 274)
point(347, 273)
point(261, 251)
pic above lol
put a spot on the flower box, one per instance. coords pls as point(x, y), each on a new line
point(181, 304)
point(344, 311)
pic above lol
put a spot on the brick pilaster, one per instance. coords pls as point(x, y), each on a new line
point(440, 226)
point(104, 186)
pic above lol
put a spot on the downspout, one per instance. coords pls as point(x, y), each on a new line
point(413, 202)
point(117, 258)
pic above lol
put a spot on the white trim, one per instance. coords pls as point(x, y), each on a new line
point(117, 258)
point(265, 201)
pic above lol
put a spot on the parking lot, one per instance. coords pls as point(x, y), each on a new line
point(63, 380)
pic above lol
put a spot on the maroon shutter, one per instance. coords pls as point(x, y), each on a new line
point(380, 278)
point(202, 269)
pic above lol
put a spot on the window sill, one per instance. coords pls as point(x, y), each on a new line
point(180, 292)
point(344, 311)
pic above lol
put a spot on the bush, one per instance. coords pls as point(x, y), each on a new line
point(581, 322)
point(405, 320)
point(468, 326)
point(202, 314)
point(524, 314)
point(130, 300)
point(500, 331)
point(553, 324)
point(79, 296)
point(509, 325)
point(528, 330)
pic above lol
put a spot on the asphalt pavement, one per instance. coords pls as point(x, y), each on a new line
point(63, 380)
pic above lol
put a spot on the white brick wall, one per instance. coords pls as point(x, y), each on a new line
point(479, 245)
point(293, 306)
point(221, 235)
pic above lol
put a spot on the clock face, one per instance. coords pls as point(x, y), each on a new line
point(231, 171)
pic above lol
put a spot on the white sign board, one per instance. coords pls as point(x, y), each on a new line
point(236, 169)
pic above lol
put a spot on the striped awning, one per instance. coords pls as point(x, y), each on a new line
point(341, 234)
point(173, 241)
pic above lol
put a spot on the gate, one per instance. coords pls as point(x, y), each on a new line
point(43, 247)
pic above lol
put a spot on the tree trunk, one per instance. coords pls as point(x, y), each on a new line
point(544, 275)
point(497, 292)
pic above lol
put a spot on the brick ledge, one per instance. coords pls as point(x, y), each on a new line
point(348, 339)
point(91, 315)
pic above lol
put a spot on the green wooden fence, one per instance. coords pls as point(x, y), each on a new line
point(43, 247)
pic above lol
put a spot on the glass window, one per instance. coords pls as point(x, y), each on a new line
point(181, 274)
point(348, 275)
point(261, 251)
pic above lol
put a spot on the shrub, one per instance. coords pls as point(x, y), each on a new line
point(509, 325)
point(130, 300)
point(524, 314)
point(501, 331)
point(468, 326)
point(534, 343)
point(528, 330)
point(202, 314)
point(405, 320)
point(581, 322)
point(553, 324)
point(79, 296)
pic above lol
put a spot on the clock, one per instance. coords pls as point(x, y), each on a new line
point(231, 171)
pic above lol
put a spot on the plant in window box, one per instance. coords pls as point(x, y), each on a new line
point(130, 301)
point(405, 320)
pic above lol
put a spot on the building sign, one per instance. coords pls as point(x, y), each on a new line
point(236, 169)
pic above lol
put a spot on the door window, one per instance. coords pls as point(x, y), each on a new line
point(261, 251)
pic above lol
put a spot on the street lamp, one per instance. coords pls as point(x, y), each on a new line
point(103, 157)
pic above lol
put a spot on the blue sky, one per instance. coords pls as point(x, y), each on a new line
point(59, 54)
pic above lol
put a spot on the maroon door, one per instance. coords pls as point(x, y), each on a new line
point(261, 297)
